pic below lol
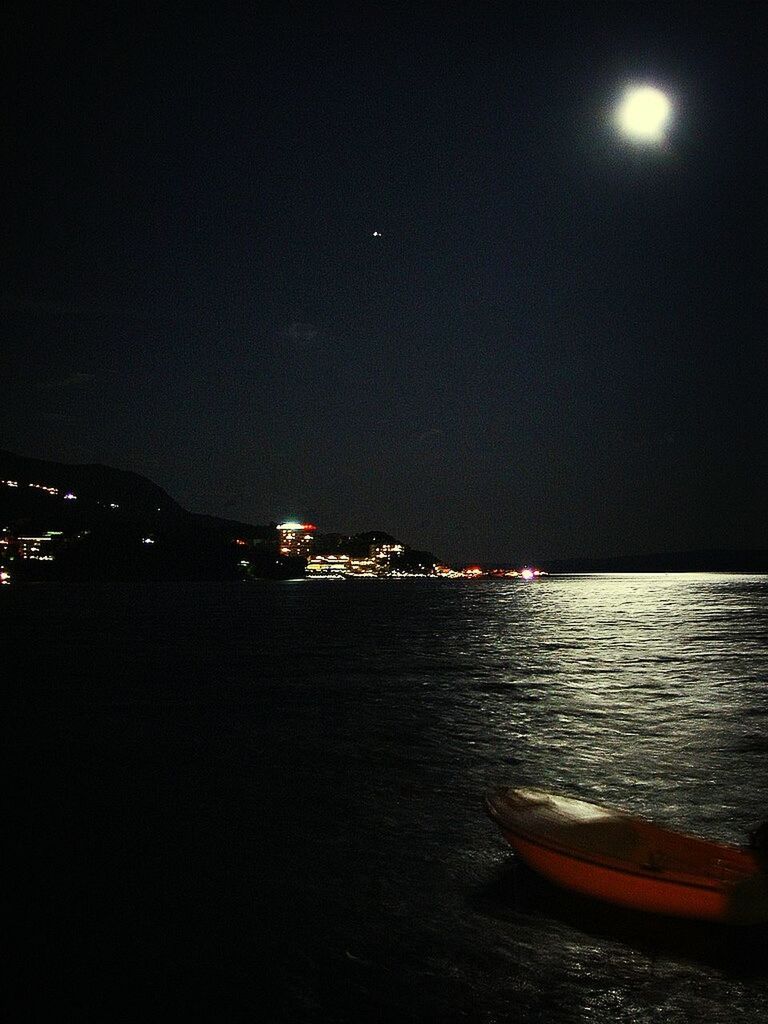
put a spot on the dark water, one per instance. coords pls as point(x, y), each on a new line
point(264, 802)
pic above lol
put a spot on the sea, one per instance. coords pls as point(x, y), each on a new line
point(264, 801)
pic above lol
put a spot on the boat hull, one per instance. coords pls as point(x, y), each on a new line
point(615, 857)
point(622, 887)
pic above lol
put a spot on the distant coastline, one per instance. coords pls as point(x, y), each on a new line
point(716, 560)
point(96, 523)
point(91, 522)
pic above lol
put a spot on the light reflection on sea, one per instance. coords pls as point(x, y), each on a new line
point(278, 788)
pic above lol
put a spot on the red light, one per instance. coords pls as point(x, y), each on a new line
point(308, 526)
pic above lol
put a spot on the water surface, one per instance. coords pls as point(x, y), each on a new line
point(264, 802)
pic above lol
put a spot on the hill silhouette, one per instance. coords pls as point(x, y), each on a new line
point(114, 524)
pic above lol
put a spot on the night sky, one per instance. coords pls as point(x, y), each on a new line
point(554, 348)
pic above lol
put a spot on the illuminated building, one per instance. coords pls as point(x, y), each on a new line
point(447, 572)
point(343, 565)
point(7, 546)
point(329, 565)
point(383, 552)
point(35, 548)
point(296, 538)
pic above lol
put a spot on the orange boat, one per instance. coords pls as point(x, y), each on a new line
point(614, 856)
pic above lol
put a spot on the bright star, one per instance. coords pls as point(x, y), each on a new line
point(643, 114)
point(377, 234)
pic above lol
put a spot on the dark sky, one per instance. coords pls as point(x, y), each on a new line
point(556, 347)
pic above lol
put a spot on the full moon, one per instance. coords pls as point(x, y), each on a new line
point(643, 114)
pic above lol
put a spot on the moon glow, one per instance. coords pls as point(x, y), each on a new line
point(643, 114)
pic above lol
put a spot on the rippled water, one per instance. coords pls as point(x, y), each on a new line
point(265, 802)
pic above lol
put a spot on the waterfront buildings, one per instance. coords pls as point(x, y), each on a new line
point(295, 539)
point(37, 549)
